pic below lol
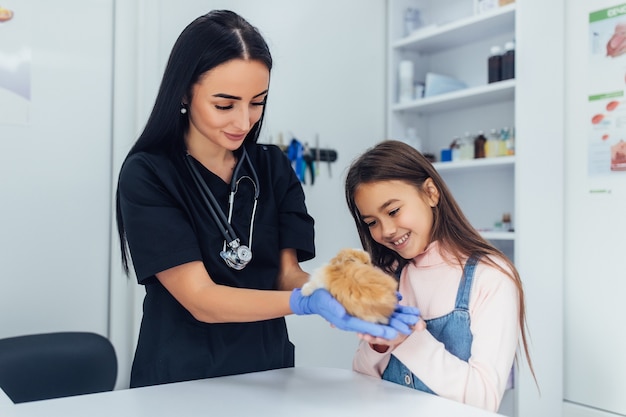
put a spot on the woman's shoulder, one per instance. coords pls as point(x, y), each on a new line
point(147, 161)
point(148, 158)
point(144, 167)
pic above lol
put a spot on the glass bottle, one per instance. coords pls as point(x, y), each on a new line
point(479, 145)
point(467, 147)
point(493, 143)
point(510, 143)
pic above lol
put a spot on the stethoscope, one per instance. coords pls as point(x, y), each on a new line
point(236, 256)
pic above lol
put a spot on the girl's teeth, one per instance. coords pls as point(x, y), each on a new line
point(401, 240)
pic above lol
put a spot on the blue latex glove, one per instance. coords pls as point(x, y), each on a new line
point(321, 302)
point(403, 318)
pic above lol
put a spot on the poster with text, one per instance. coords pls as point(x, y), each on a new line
point(607, 83)
point(15, 63)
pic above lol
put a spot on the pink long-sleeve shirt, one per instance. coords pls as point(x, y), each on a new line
point(431, 284)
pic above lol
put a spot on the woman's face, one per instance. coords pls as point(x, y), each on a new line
point(397, 214)
point(226, 103)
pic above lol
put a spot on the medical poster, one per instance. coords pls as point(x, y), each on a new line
point(15, 63)
point(607, 85)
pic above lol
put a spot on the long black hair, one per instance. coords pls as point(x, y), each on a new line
point(210, 40)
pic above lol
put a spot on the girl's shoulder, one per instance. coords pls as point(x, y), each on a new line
point(495, 275)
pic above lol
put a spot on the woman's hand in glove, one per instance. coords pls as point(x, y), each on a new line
point(321, 302)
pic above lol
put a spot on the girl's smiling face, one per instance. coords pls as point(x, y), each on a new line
point(398, 215)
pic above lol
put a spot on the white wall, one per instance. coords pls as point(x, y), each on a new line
point(328, 80)
point(594, 340)
point(539, 178)
point(55, 170)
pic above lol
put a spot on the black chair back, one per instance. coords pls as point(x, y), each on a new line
point(52, 365)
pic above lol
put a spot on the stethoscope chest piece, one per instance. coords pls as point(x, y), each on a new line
point(236, 255)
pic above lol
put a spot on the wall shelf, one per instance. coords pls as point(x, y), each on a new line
point(468, 97)
point(469, 29)
point(498, 235)
point(475, 164)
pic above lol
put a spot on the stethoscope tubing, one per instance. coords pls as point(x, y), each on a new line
point(219, 217)
point(224, 225)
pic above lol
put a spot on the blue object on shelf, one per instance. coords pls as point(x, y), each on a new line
point(439, 84)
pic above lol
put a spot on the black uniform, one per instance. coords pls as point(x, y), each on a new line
point(167, 224)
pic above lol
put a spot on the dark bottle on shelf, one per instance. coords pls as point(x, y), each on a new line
point(479, 145)
point(508, 61)
point(495, 64)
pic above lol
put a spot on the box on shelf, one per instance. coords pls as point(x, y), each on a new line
point(481, 6)
point(439, 84)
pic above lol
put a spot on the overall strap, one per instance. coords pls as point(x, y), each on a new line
point(465, 286)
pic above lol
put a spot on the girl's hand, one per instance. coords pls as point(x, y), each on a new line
point(382, 345)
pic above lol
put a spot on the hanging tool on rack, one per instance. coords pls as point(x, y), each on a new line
point(295, 153)
point(309, 160)
point(304, 158)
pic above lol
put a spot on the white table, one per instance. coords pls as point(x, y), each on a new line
point(301, 391)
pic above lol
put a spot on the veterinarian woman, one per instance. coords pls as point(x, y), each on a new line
point(215, 224)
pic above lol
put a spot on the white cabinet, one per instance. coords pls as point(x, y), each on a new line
point(455, 41)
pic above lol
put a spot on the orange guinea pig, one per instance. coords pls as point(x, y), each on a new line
point(364, 290)
point(5, 14)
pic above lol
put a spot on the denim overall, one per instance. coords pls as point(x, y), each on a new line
point(453, 330)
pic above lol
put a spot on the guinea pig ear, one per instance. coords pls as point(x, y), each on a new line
point(363, 257)
point(340, 257)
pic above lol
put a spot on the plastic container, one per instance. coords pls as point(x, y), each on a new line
point(505, 134)
point(510, 142)
point(413, 139)
point(446, 155)
point(467, 147)
point(412, 20)
point(493, 144)
point(508, 61)
point(495, 64)
point(406, 90)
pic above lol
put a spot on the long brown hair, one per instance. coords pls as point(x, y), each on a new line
point(393, 160)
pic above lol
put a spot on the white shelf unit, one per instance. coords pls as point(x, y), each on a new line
point(456, 42)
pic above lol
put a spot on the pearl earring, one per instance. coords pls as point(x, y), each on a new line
point(183, 109)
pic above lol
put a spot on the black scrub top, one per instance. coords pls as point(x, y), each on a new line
point(168, 224)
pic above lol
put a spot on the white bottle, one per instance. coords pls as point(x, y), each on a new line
point(413, 139)
point(467, 147)
point(412, 20)
point(405, 82)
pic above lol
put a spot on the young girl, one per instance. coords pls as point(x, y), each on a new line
point(468, 292)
